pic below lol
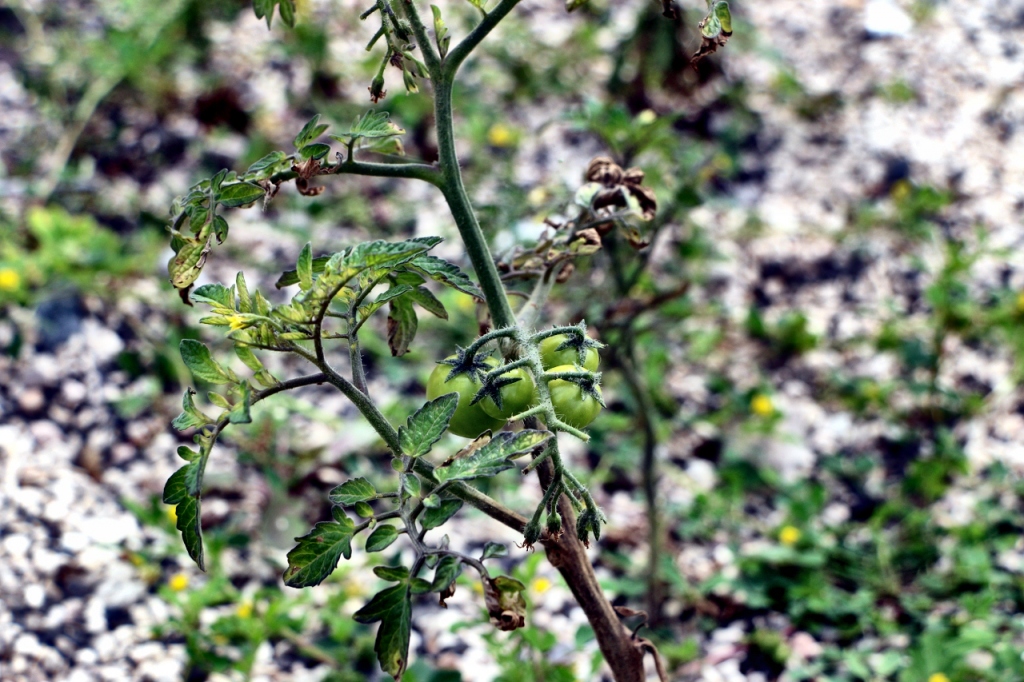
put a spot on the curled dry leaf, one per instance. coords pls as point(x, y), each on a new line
point(506, 606)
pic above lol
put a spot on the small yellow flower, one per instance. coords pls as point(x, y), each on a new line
point(541, 585)
point(646, 117)
point(9, 280)
point(244, 609)
point(790, 535)
point(901, 190)
point(761, 405)
point(938, 677)
point(1020, 300)
point(500, 135)
point(172, 513)
point(537, 196)
point(178, 582)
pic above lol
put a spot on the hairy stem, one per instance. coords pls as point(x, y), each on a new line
point(462, 211)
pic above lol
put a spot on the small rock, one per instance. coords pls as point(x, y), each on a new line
point(31, 400)
point(35, 595)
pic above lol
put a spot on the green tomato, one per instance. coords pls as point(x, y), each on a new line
point(572, 404)
point(550, 356)
point(515, 398)
point(468, 421)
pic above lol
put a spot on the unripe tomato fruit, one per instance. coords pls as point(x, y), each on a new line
point(515, 398)
point(468, 421)
point(572, 404)
point(550, 356)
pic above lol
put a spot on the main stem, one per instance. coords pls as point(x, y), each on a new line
point(462, 211)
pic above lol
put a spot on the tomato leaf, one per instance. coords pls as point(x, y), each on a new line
point(426, 426)
point(317, 554)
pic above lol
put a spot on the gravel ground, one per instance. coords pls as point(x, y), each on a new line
point(74, 606)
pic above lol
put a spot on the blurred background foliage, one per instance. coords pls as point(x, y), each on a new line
point(859, 564)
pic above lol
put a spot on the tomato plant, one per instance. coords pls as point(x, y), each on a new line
point(469, 419)
point(516, 396)
point(575, 404)
point(562, 350)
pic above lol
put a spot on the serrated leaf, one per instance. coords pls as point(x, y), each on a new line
point(220, 297)
point(239, 194)
point(268, 161)
point(446, 273)
point(402, 325)
point(393, 608)
point(187, 264)
point(240, 413)
point(244, 301)
point(492, 458)
point(182, 490)
point(191, 416)
point(351, 492)
point(448, 569)
point(317, 150)
point(249, 358)
point(426, 426)
point(432, 518)
point(411, 483)
point(304, 268)
point(317, 554)
point(312, 130)
point(220, 229)
point(392, 573)
point(493, 550)
point(197, 357)
point(374, 126)
point(423, 297)
point(381, 538)
point(291, 277)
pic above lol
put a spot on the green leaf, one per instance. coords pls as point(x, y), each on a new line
point(351, 492)
point(479, 4)
point(440, 32)
point(317, 554)
point(197, 357)
point(267, 162)
point(249, 358)
point(381, 538)
point(393, 608)
point(426, 426)
point(431, 501)
point(305, 267)
point(402, 325)
point(239, 194)
point(182, 490)
point(446, 273)
point(363, 509)
point(724, 17)
point(291, 277)
point(187, 264)
point(240, 413)
point(712, 26)
point(371, 126)
point(317, 150)
point(411, 484)
point(423, 297)
point(190, 416)
point(448, 569)
point(220, 297)
point(312, 130)
point(392, 573)
point(287, 10)
point(220, 229)
point(432, 518)
point(493, 550)
point(493, 457)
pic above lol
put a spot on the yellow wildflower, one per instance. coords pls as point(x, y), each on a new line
point(500, 135)
point(541, 585)
point(1020, 300)
point(10, 280)
point(172, 513)
point(244, 609)
point(178, 582)
point(938, 677)
point(790, 535)
point(761, 405)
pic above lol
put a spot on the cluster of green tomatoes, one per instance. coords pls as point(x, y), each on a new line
point(489, 397)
